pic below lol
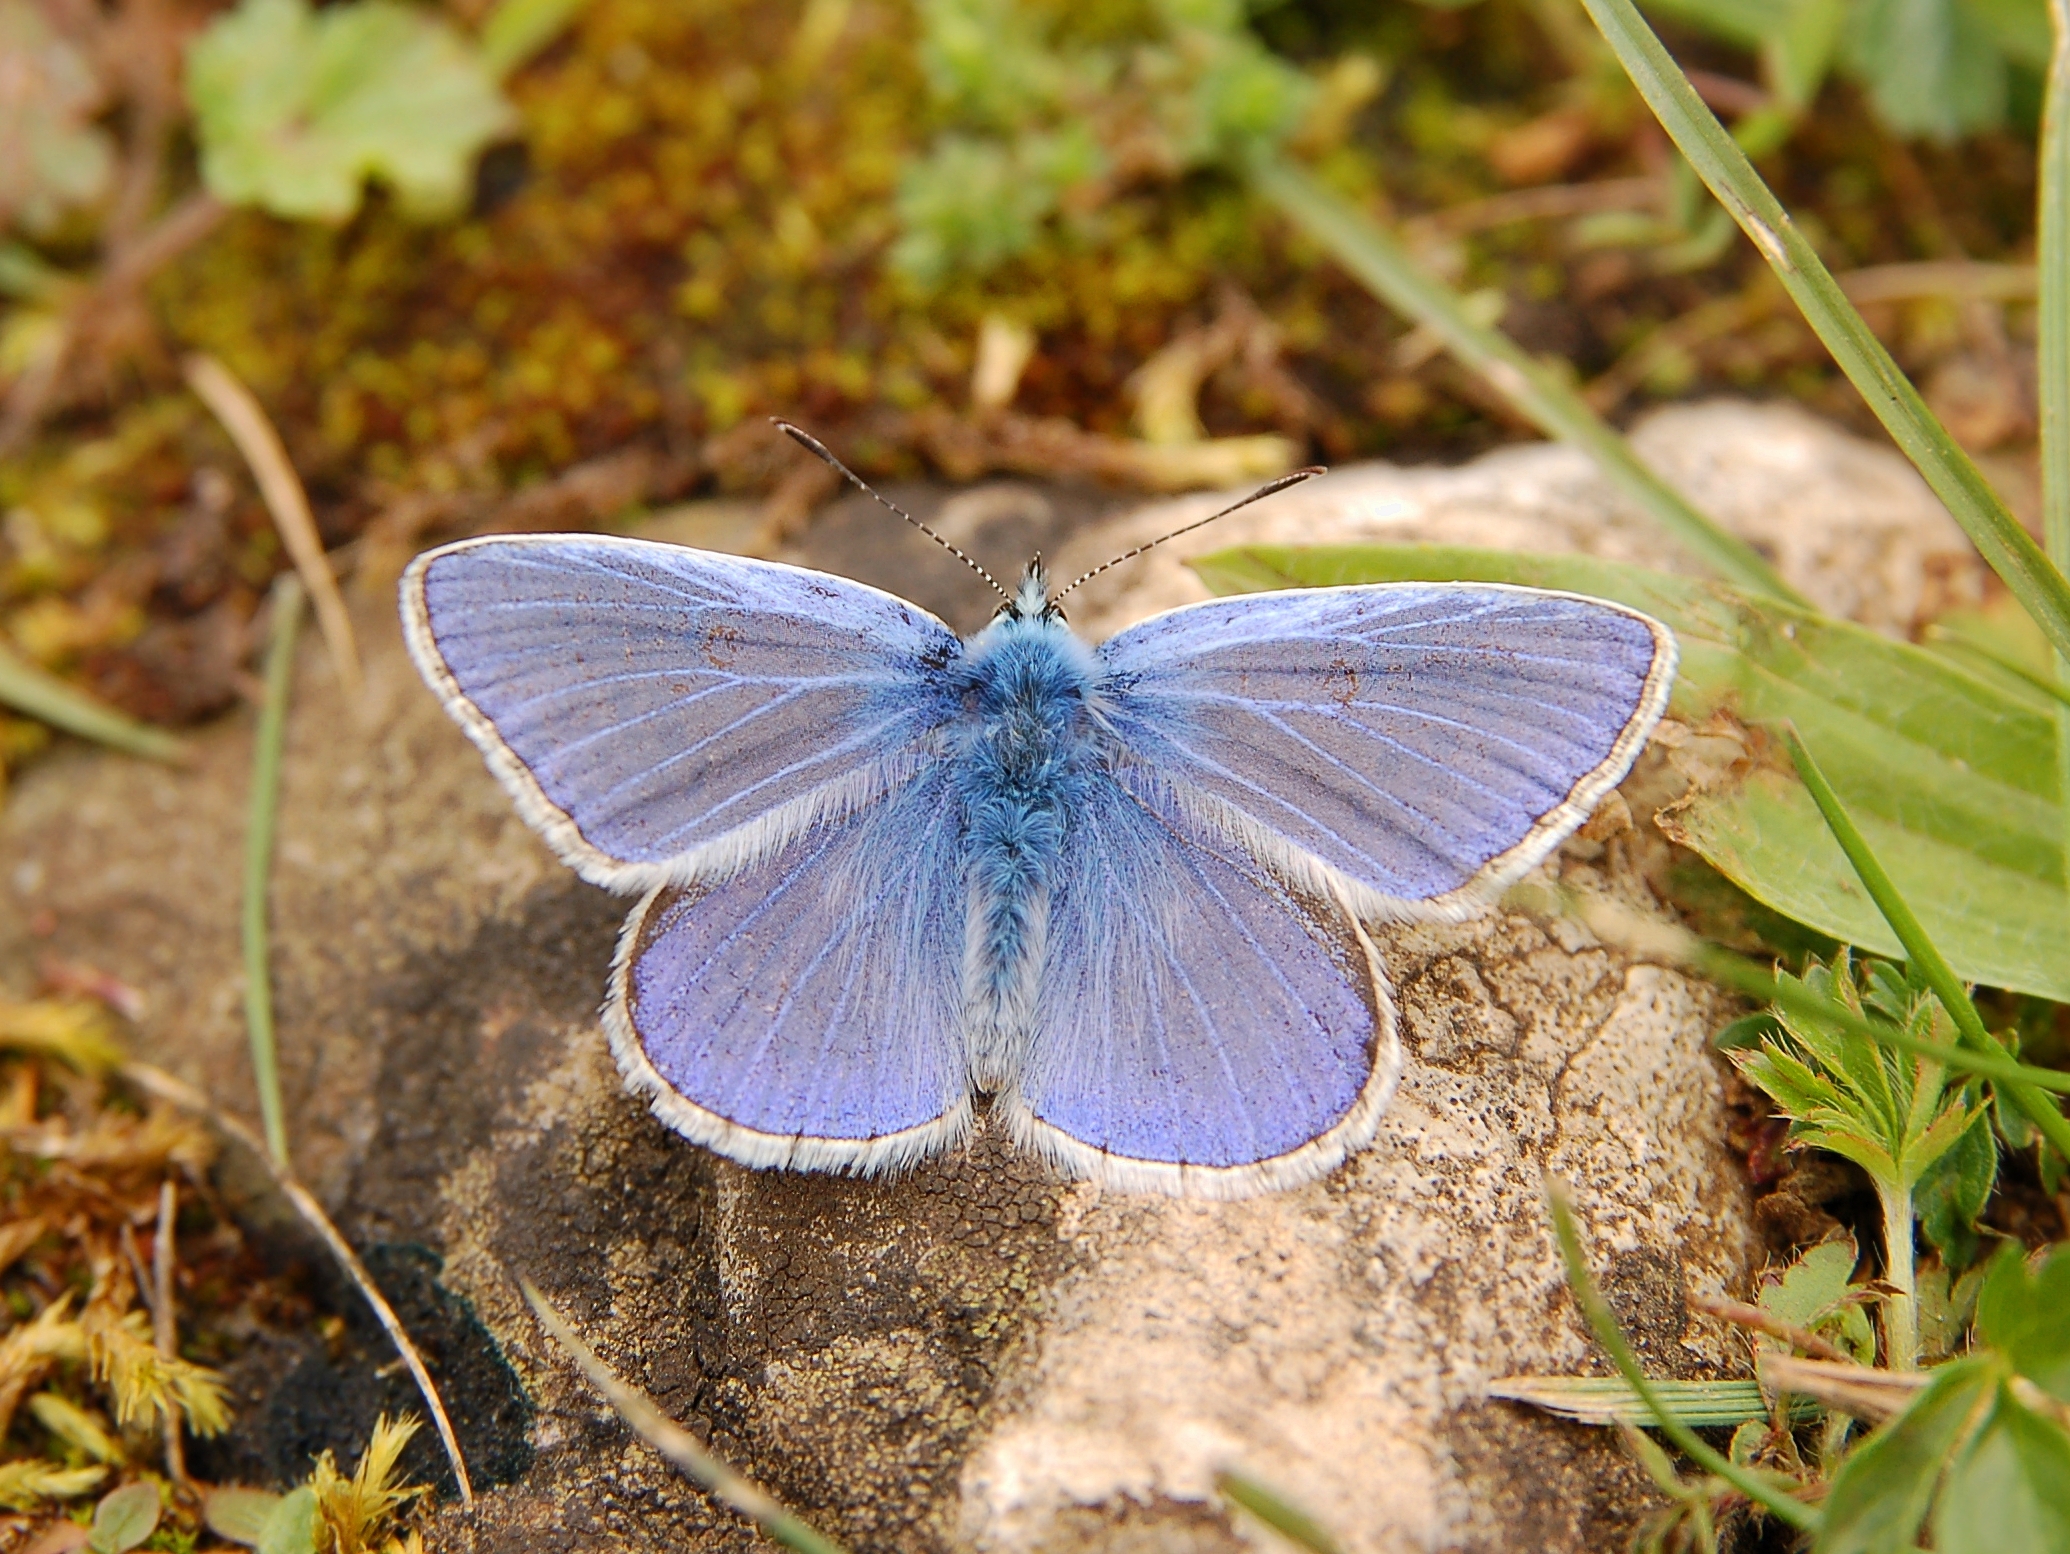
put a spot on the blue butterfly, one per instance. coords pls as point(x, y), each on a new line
point(1121, 889)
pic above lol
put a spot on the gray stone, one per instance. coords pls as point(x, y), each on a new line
point(974, 1355)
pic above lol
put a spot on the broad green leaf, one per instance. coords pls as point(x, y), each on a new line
point(518, 29)
point(1954, 1190)
point(291, 1526)
point(1814, 1292)
point(296, 108)
point(1951, 777)
point(2024, 1310)
point(1883, 1489)
point(124, 1518)
point(239, 1514)
point(2009, 1492)
point(1931, 67)
point(2020, 28)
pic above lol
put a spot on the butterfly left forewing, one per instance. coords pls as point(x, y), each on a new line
point(1420, 744)
point(1201, 1026)
point(657, 711)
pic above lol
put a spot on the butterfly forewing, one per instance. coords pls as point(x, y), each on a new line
point(653, 708)
point(1201, 1026)
point(806, 1010)
point(1425, 743)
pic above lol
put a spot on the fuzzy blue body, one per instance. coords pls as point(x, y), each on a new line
point(1119, 891)
point(1025, 748)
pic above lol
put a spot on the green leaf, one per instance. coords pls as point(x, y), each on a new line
point(1955, 1189)
point(2024, 1310)
point(1931, 66)
point(2019, 28)
point(1883, 1489)
point(1951, 778)
point(239, 1514)
point(518, 29)
point(1815, 1292)
point(295, 109)
point(2009, 1491)
point(124, 1518)
point(291, 1527)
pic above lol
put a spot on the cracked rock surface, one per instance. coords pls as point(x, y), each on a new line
point(975, 1355)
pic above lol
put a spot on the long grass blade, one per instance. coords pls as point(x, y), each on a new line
point(1919, 949)
point(1954, 476)
point(2052, 344)
point(42, 695)
point(1602, 1400)
point(1374, 256)
point(262, 811)
point(1272, 1508)
point(678, 1445)
point(1785, 1507)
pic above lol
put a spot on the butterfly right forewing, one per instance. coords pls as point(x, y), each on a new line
point(1421, 744)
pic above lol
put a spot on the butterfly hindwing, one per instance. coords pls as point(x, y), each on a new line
point(657, 710)
point(1201, 1026)
point(1426, 743)
point(806, 1010)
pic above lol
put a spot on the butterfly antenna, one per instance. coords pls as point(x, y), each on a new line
point(1271, 488)
point(813, 445)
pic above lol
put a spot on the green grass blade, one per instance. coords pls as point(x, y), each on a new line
point(1954, 476)
point(1377, 259)
point(264, 808)
point(1784, 1507)
point(2052, 338)
point(1604, 1400)
point(2052, 278)
point(42, 695)
point(1275, 1511)
point(1919, 949)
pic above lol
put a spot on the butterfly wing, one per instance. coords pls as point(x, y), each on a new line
point(805, 1010)
point(658, 711)
point(1427, 743)
point(1201, 1025)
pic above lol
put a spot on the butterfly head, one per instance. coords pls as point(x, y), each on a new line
point(1031, 600)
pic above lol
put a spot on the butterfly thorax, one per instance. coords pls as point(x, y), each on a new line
point(1024, 750)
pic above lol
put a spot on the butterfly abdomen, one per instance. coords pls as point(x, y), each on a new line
point(1023, 751)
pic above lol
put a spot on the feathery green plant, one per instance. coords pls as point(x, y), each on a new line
point(1891, 1114)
